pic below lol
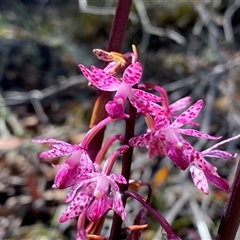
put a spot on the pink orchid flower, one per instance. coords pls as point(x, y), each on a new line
point(78, 163)
point(201, 176)
point(144, 102)
point(169, 111)
point(95, 192)
point(168, 140)
point(157, 146)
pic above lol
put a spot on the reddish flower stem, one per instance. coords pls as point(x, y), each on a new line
point(119, 24)
point(99, 113)
point(114, 45)
point(126, 170)
point(161, 220)
point(101, 154)
point(231, 215)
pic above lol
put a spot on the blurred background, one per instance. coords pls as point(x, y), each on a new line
point(188, 47)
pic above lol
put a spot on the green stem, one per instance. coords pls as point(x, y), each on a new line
point(231, 216)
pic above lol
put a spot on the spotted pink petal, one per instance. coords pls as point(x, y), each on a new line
point(88, 74)
point(79, 182)
point(100, 79)
point(59, 149)
point(180, 104)
point(196, 133)
point(194, 124)
point(142, 140)
point(86, 164)
point(146, 107)
point(219, 154)
point(50, 140)
point(157, 147)
point(188, 115)
point(161, 121)
point(196, 159)
point(177, 155)
point(106, 81)
point(118, 178)
point(78, 205)
point(84, 177)
point(217, 181)
point(118, 206)
point(65, 177)
point(146, 96)
point(58, 152)
point(199, 179)
point(67, 149)
point(99, 207)
point(68, 172)
point(132, 74)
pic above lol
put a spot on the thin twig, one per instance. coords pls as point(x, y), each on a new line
point(201, 224)
point(227, 25)
point(84, 7)
point(15, 97)
point(214, 35)
point(147, 27)
point(205, 76)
